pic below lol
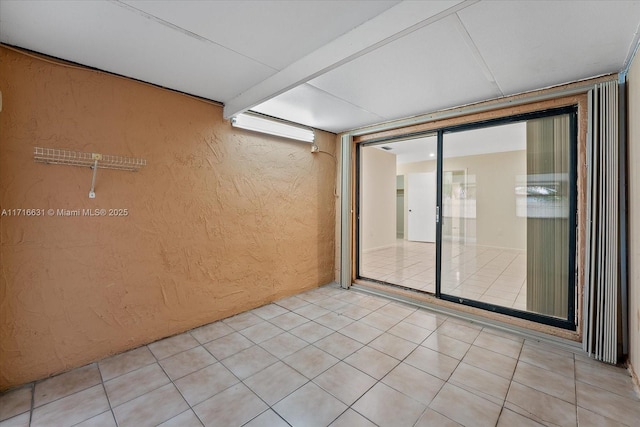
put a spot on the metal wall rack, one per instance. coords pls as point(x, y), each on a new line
point(92, 160)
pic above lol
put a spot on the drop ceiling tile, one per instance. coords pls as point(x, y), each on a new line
point(429, 69)
point(113, 38)
point(528, 46)
point(310, 106)
point(219, 49)
point(275, 33)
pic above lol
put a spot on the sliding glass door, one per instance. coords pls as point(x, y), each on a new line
point(508, 217)
point(484, 214)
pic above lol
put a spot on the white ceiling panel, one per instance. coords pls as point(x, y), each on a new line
point(412, 150)
point(275, 33)
point(489, 140)
point(531, 44)
point(109, 37)
point(385, 28)
point(310, 106)
point(331, 64)
point(429, 69)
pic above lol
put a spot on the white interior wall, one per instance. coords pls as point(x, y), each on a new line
point(497, 223)
point(378, 199)
point(634, 212)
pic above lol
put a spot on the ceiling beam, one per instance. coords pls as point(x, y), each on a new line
point(394, 23)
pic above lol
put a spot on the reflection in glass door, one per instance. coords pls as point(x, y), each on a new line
point(508, 215)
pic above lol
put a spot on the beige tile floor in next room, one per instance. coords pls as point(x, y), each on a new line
point(491, 275)
point(333, 357)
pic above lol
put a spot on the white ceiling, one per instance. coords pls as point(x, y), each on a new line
point(334, 65)
point(487, 140)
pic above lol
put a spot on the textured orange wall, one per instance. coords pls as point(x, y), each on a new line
point(220, 221)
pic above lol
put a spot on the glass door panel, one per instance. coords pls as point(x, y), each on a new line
point(397, 212)
point(507, 194)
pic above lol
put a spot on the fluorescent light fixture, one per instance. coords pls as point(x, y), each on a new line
point(272, 127)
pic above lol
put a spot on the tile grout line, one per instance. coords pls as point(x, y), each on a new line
point(157, 361)
point(575, 386)
point(171, 381)
point(511, 381)
point(286, 364)
point(34, 408)
point(240, 381)
point(33, 402)
point(104, 388)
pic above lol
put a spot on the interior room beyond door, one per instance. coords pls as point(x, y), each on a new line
point(397, 212)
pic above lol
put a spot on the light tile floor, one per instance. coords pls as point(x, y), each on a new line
point(333, 357)
point(494, 276)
